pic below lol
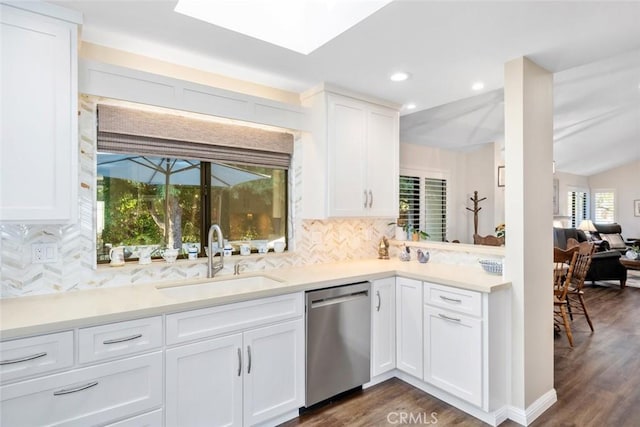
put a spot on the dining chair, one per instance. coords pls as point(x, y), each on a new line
point(575, 294)
point(562, 280)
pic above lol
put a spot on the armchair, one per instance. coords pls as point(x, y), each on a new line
point(612, 234)
point(605, 262)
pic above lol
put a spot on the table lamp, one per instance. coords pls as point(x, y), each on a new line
point(587, 226)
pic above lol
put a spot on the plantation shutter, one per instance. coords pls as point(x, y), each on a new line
point(409, 201)
point(604, 207)
point(435, 208)
point(131, 131)
point(578, 207)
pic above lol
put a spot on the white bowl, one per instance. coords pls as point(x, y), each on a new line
point(170, 255)
point(491, 266)
point(279, 246)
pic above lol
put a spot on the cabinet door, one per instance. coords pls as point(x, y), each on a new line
point(382, 162)
point(453, 353)
point(38, 146)
point(347, 162)
point(383, 326)
point(409, 326)
point(204, 383)
point(274, 371)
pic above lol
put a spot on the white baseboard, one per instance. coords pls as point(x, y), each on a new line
point(528, 415)
point(280, 419)
point(493, 418)
point(380, 378)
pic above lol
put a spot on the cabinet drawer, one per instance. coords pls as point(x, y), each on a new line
point(86, 396)
point(151, 419)
point(208, 322)
point(26, 357)
point(119, 339)
point(459, 300)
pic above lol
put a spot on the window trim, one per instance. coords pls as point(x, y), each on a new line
point(587, 209)
point(431, 174)
point(615, 204)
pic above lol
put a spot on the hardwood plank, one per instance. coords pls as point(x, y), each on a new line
point(596, 381)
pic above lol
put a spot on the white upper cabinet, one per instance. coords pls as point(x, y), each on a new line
point(38, 147)
point(350, 160)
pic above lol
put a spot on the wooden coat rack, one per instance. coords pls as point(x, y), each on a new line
point(475, 210)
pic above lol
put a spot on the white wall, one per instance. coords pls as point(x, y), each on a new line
point(625, 181)
point(480, 177)
point(569, 182)
point(466, 172)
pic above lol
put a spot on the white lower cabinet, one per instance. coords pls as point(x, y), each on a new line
point(204, 383)
point(409, 326)
point(274, 371)
point(383, 326)
point(453, 353)
point(87, 396)
point(246, 378)
point(150, 419)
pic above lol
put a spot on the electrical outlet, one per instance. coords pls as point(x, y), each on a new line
point(44, 253)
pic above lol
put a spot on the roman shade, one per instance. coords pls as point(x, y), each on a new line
point(132, 131)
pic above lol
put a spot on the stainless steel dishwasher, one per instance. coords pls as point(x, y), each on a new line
point(338, 340)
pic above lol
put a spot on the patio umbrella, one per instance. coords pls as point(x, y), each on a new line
point(166, 171)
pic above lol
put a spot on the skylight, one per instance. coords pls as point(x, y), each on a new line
point(298, 25)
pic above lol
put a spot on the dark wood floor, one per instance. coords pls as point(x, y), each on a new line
point(598, 381)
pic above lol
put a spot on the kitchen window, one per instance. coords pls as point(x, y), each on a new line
point(154, 192)
point(423, 204)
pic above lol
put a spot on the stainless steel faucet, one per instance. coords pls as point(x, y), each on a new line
point(212, 268)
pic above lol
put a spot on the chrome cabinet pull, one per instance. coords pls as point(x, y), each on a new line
point(123, 339)
point(453, 319)
point(75, 389)
point(239, 361)
point(23, 359)
point(379, 301)
point(459, 301)
point(370, 199)
point(249, 361)
point(366, 199)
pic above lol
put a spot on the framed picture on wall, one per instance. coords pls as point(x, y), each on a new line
point(636, 208)
point(556, 197)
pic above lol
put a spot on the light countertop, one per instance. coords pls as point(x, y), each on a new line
point(54, 312)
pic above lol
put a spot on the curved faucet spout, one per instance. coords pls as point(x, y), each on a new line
point(212, 268)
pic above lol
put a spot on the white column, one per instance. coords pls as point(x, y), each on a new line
point(529, 244)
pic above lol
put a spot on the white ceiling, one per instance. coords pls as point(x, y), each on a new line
point(592, 47)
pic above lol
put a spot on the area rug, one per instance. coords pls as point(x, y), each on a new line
point(633, 280)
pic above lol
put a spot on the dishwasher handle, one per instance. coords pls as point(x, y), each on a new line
point(339, 299)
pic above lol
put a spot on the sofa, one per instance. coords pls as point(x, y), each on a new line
point(605, 262)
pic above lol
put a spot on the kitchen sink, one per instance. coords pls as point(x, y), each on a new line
point(220, 287)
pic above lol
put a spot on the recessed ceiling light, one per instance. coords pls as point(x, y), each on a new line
point(410, 106)
point(477, 86)
point(400, 76)
point(298, 25)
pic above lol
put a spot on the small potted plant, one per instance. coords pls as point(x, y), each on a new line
point(417, 235)
point(632, 252)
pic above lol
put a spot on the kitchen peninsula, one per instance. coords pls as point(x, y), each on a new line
point(421, 315)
